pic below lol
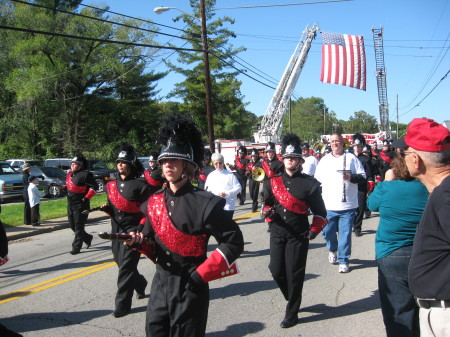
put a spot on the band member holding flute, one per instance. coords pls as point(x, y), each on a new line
point(181, 219)
point(125, 196)
point(81, 186)
point(290, 195)
point(339, 172)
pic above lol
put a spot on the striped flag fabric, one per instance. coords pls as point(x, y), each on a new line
point(343, 60)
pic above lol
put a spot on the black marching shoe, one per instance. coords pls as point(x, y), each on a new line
point(75, 251)
point(89, 241)
point(121, 313)
point(288, 323)
point(140, 295)
point(358, 233)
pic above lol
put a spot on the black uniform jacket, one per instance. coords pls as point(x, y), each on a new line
point(368, 168)
point(306, 190)
point(196, 215)
point(80, 179)
point(241, 167)
point(124, 200)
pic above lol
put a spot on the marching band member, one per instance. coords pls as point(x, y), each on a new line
point(81, 186)
point(125, 196)
point(287, 198)
point(181, 218)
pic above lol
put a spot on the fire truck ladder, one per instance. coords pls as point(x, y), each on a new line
point(381, 80)
point(272, 122)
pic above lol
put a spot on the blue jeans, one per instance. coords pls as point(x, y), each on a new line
point(400, 312)
point(339, 222)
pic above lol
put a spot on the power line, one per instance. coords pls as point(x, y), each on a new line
point(94, 39)
point(283, 5)
point(101, 20)
point(443, 78)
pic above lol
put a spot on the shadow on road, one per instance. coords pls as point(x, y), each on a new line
point(324, 312)
point(238, 330)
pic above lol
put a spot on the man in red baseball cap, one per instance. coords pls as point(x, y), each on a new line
point(427, 156)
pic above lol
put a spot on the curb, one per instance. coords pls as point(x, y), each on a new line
point(32, 231)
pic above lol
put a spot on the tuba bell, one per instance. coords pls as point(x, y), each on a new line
point(258, 174)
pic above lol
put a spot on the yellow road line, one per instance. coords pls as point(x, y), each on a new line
point(76, 274)
point(54, 282)
point(245, 216)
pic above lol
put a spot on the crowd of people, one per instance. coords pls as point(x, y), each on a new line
point(170, 211)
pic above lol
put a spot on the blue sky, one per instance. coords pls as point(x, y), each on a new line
point(416, 41)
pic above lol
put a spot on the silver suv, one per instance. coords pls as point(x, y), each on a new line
point(11, 183)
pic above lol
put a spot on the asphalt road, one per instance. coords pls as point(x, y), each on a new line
point(45, 291)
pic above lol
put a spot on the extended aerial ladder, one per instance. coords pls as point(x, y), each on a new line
point(272, 122)
point(381, 81)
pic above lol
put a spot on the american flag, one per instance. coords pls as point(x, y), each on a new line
point(343, 60)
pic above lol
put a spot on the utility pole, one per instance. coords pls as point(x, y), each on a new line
point(324, 114)
point(397, 115)
point(209, 114)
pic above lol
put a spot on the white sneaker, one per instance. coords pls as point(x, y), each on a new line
point(344, 268)
point(332, 257)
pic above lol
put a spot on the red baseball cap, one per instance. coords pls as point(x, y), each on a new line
point(426, 135)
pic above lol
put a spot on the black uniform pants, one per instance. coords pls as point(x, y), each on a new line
point(77, 222)
point(129, 278)
point(253, 187)
point(360, 211)
point(243, 183)
point(174, 311)
point(288, 256)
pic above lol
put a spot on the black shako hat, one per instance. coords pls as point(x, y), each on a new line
point(126, 153)
point(358, 140)
point(242, 149)
point(181, 139)
point(80, 160)
point(291, 146)
point(153, 156)
point(270, 147)
point(254, 153)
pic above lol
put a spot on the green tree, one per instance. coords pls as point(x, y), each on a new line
point(70, 94)
point(361, 122)
point(231, 119)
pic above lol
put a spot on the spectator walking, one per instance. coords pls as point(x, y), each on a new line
point(34, 199)
point(310, 161)
point(287, 198)
point(427, 157)
point(400, 203)
point(339, 172)
point(223, 184)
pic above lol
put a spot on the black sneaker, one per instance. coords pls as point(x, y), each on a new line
point(89, 241)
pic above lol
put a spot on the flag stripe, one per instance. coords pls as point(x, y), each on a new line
point(343, 60)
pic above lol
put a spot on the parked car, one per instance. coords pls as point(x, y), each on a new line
point(102, 174)
point(18, 163)
point(144, 161)
point(11, 185)
point(53, 179)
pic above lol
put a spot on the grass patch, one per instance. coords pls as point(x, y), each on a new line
point(12, 215)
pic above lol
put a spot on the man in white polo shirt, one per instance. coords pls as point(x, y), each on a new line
point(339, 172)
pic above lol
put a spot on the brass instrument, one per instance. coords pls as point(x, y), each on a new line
point(258, 174)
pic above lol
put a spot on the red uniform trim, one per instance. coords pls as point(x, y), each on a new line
point(72, 187)
point(216, 266)
point(175, 240)
point(119, 201)
point(285, 199)
point(239, 164)
point(318, 224)
point(385, 157)
point(266, 168)
point(150, 180)
point(251, 166)
point(90, 193)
